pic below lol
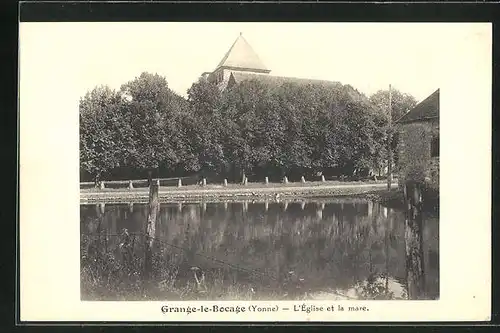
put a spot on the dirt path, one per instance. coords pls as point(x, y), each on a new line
point(173, 193)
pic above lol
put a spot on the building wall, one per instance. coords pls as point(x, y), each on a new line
point(415, 161)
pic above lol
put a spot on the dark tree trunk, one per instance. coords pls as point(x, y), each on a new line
point(150, 227)
point(413, 240)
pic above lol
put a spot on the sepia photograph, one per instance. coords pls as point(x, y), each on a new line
point(247, 184)
point(198, 170)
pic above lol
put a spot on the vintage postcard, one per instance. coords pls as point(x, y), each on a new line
point(255, 172)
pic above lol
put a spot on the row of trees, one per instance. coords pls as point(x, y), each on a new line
point(254, 128)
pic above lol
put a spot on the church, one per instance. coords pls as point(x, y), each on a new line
point(241, 63)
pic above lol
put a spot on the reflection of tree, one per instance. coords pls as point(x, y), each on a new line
point(414, 241)
point(341, 250)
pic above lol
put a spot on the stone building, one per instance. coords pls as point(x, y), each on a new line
point(239, 59)
point(242, 63)
point(418, 149)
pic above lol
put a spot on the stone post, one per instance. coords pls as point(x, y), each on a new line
point(322, 178)
point(225, 182)
point(266, 180)
point(130, 185)
point(204, 182)
point(179, 183)
point(285, 180)
point(302, 180)
point(102, 186)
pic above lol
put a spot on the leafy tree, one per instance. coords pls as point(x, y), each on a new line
point(154, 112)
point(257, 127)
point(205, 127)
point(101, 131)
point(400, 102)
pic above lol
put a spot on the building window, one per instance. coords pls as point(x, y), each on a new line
point(435, 147)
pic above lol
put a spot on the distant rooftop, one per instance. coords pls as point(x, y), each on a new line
point(278, 80)
point(426, 109)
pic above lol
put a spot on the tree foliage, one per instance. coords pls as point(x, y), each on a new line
point(257, 128)
point(401, 102)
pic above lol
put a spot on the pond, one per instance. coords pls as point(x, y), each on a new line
point(320, 249)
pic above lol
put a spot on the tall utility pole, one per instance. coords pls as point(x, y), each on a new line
point(389, 139)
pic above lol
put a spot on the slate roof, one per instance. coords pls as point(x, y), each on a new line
point(238, 77)
point(241, 55)
point(427, 109)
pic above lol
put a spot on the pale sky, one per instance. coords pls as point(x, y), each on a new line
point(368, 56)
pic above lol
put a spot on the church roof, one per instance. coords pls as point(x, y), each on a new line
point(426, 109)
point(239, 77)
point(241, 55)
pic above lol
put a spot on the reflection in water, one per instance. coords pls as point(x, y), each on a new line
point(263, 250)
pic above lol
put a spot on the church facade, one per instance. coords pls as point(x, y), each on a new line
point(242, 63)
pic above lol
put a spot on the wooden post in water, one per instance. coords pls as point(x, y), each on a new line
point(150, 228)
point(413, 241)
point(319, 210)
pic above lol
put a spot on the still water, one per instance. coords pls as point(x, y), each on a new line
point(334, 249)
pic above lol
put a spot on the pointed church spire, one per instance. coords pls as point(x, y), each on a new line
point(242, 56)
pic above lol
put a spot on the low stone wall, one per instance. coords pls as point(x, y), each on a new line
point(233, 194)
